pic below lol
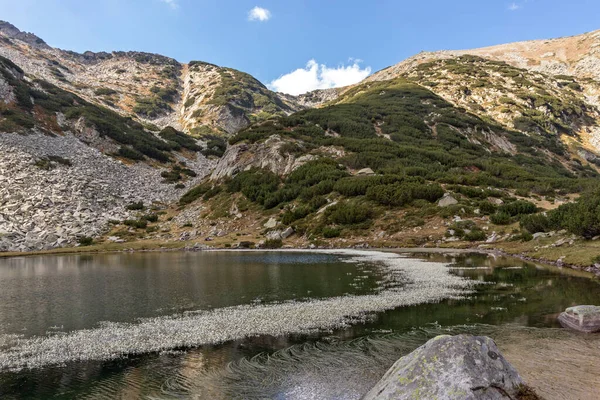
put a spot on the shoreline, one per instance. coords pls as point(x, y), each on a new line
point(150, 247)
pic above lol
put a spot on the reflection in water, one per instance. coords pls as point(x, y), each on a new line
point(409, 282)
point(517, 306)
point(77, 292)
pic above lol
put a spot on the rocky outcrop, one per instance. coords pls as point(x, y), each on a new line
point(581, 318)
point(459, 367)
point(267, 155)
point(9, 30)
point(47, 204)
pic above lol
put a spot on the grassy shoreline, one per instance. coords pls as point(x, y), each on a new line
point(573, 257)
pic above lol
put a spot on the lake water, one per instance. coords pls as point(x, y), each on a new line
point(283, 325)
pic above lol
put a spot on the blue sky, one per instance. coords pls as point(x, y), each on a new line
point(285, 35)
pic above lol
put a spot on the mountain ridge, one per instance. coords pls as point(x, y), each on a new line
point(396, 155)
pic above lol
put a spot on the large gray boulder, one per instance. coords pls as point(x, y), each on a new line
point(447, 201)
point(459, 367)
point(581, 318)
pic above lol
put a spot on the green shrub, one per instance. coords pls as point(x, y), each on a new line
point(349, 213)
point(519, 207)
point(181, 139)
point(194, 193)
point(487, 208)
point(580, 218)
point(399, 194)
point(130, 153)
point(212, 192)
point(273, 244)
point(150, 217)
point(535, 223)
point(104, 92)
point(136, 223)
point(85, 241)
point(476, 235)
point(500, 218)
point(329, 232)
point(293, 215)
point(139, 205)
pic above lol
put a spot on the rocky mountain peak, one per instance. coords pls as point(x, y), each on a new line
point(11, 31)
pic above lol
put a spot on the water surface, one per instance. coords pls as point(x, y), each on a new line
point(517, 304)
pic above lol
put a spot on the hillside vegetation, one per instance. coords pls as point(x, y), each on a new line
point(416, 146)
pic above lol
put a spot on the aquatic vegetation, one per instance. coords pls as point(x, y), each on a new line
point(408, 282)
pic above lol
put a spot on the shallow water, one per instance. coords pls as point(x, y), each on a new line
point(516, 303)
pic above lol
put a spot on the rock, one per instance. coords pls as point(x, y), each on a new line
point(48, 208)
point(538, 235)
point(287, 233)
point(492, 238)
point(271, 223)
point(560, 242)
point(447, 200)
point(581, 318)
point(459, 367)
point(274, 235)
point(365, 171)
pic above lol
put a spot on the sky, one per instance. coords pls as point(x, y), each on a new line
point(297, 45)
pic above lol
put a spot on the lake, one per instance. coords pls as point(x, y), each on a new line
point(281, 324)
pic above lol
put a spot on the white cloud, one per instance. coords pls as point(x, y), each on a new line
point(319, 76)
point(514, 7)
point(171, 3)
point(259, 14)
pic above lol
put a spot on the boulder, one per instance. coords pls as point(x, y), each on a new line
point(447, 200)
point(271, 223)
point(450, 367)
point(274, 235)
point(581, 318)
point(365, 172)
point(289, 231)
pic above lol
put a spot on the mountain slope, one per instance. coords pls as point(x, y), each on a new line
point(150, 87)
point(443, 147)
point(575, 55)
point(374, 164)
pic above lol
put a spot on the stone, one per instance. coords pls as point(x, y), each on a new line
point(274, 235)
point(271, 223)
point(447, 201)
point(365, 171)
point(461, 367)
point(584, 318)
point(287, 233)
point(493, 238)
point(538, 235)
point(51, 208)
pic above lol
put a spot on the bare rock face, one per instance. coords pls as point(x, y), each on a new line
point(267, 155)
point(459, 367)
point(581, 318)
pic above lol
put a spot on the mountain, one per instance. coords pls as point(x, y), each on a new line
point(578, 56)
point(443, 147)
point(198, 97)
